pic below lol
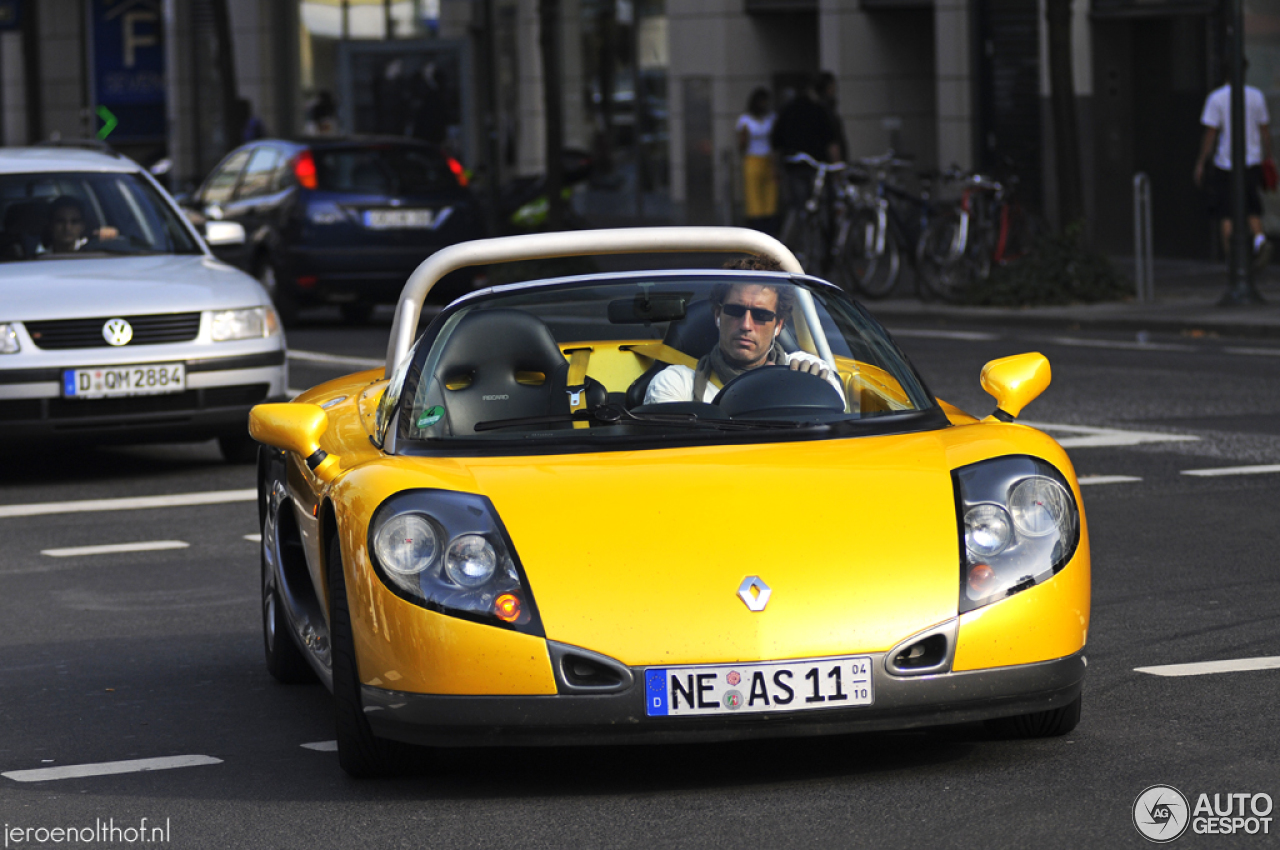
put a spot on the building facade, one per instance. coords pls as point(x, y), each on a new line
point(650, 88)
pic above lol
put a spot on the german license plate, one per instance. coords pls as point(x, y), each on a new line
point(398, 219)
point(804, 685)
point(115, 381)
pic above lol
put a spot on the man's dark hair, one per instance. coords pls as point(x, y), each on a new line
point(753, 263)
point(822, 81)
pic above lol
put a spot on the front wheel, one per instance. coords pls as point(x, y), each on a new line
point(360, 753)
point(285, 661)
point(949, 257)
point(1039, 724)
point(869, 260)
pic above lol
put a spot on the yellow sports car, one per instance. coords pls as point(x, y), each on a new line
point(664, 506)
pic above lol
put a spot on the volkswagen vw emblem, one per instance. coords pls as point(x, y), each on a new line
point(117, 332)
point(754, 592)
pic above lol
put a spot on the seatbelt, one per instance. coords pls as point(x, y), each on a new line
point(576, 382)
point(664, 353)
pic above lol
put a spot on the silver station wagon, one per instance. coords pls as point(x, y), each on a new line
point(116, 322)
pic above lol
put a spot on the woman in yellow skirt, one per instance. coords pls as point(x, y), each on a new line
point(758, 177)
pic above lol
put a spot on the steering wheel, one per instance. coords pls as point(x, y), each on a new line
point(778, 392)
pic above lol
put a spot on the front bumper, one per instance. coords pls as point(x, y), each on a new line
point(901, 702)
point(220, 391)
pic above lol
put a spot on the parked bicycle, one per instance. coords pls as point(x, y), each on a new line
point(987, 227)
point(809, 229)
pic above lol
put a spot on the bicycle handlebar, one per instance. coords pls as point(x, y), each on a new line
point(813, 163)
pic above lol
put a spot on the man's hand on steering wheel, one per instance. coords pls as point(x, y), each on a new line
point(812, 367)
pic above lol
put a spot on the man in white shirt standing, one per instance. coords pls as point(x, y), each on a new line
point(749, 317)
point(1217, 182)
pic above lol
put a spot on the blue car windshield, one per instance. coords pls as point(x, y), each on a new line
point(64, 215)
point(656, 356)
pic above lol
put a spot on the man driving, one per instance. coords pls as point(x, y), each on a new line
point(750, 316)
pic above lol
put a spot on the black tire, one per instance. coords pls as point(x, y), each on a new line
point(356, 312)
point(238, 449)
point(1039, 724)
point(360, 753)
point(949, 259)
point(285, 661)
point(865, 265)
point(286, 300)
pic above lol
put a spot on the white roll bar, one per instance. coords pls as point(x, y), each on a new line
point(542, 246)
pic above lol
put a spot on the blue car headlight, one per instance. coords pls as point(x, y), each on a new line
point(1019, 525)
point(448, 552)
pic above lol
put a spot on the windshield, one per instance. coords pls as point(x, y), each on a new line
point(719, 356)
point(382, 170)
point(65, 215)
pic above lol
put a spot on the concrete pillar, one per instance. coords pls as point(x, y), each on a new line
point(955, 69)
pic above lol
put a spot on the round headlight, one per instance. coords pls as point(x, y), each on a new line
point(987, 530)
point(470, 561)
point(1039, 506)
point(406, 544)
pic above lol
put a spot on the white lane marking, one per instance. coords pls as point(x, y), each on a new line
point(1255, 352)
point(253, 538)
point(1203, 667)
point(1094, 437)
point(336, 359)
point(113, 548)
point(1233, 470)
point(1121, 344)
point(971, 336)
point(108, 768)
point(321, 746)
point(1106, 479)
point(173, 500)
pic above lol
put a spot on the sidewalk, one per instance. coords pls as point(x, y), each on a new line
point(1186, 301)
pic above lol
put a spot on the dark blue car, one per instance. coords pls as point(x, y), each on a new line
point(340, 220)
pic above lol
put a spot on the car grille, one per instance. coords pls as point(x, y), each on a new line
point(87, 333)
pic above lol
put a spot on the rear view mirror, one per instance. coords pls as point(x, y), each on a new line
point(646, 308)
point(219, 233)
point(1015, 382)
point(295, 428)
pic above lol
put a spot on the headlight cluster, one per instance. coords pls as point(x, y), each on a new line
point(9, 339)
point(1020, 525)
point(447, 551)
point(250, 323)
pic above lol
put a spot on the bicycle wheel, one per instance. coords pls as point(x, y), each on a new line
point(869, 260)
point(948, 258)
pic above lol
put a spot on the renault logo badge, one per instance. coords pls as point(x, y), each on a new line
point(754, 592)
point(117, 332)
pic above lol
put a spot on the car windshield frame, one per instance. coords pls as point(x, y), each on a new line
point(410, 398)
point(123, 214)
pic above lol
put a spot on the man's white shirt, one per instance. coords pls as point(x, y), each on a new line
point(1217, 114)
point(675, 383)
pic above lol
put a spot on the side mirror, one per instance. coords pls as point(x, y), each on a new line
point(1015, 382)
point(295, 428)
point(221, 233)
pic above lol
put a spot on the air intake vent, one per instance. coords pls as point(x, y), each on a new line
point(580, 671)
point(924, 653)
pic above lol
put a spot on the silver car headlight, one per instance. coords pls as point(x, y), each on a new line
point(1019, 525)
point(9, 339)
point(250, 323)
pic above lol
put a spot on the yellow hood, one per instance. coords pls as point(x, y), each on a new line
point(639, 555)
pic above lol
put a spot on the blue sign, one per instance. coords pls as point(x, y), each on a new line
point(129, 65)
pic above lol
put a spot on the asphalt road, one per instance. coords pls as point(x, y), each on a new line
point(157, 654)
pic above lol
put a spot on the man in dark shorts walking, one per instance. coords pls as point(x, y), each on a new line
point(1216, 178)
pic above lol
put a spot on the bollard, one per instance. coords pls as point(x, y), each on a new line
point(1143, 259)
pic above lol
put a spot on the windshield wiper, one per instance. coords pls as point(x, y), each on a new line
point(612, 414)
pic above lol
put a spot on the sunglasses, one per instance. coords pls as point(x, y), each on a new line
point(760, 315)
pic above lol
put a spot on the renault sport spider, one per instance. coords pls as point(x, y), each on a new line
point(507, 536)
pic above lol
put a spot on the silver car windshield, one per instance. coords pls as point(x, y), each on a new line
point(65, 215)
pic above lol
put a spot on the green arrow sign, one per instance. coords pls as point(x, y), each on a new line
point(109, 122)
